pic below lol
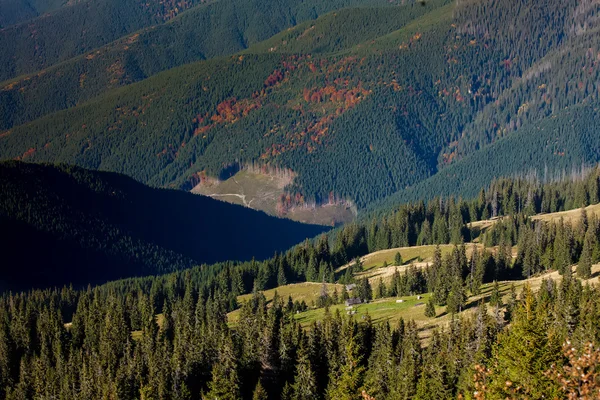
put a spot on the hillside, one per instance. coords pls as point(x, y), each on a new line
point(64, 225)
point(546, 150)
point(344, 103)
point(278, 328)
point(210, 29)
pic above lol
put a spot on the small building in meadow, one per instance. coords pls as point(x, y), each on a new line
point(353, 301)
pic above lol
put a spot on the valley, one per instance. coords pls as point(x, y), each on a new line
point(299, 199)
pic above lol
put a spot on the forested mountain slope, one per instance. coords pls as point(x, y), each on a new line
point(16, 11)
point(550, 148)
point(357, 120)
point(69, 31)
point(203, 32)
point(62, 225)
point(174, 336)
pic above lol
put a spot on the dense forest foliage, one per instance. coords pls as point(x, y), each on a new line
point(209, 28)
point(91, 227)
point(15, 11)
point(542, 152)
point(203, 32)
point(108, 342)
point(357, 119)
point(70, 31)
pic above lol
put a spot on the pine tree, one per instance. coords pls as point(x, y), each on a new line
point(225, 381)
point(397, 259)
point(584, 267)
point(346, 385)
point(430, 309)
point(522, 356)
point(305, 385)
point(259, 393)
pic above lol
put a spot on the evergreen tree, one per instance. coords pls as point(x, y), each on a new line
point(398, 259)
point(364, 290)
point(522, 356)
point(562, 253)
point(584, 267)
point(430, 309)
point(456, 298)
point(281, 278)
point(381, 289)
point(225, 382)
point(305, 386)
point(496, 298)
point(259, 393)
point(346, 384)
point(381, 363)
point(311, 271)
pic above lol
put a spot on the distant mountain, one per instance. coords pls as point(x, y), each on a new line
point(203, 32)
point(61, 225)
point(360, 104)
point(15, 11)
point(546, 150)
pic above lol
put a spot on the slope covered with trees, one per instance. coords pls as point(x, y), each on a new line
point(108, 341)
point(201, 33)
point(549, 149)
point(64, 225)
point(357, 121)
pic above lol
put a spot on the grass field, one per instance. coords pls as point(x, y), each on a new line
point(306, 291)
point(262, 192)
point(572, 215)
point(409, 254)
point(388, 310)
point(380, 310)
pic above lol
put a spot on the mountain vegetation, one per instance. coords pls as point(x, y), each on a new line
point(90, 227)
point(108, 341)
point(361, 103)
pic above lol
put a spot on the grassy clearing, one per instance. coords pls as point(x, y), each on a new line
point(414, 254)
point(306, 291)
point(572, 216)
point(380, 310)
point(262, 192)
point(409, 254)
point(439, 18)
point(388, 310)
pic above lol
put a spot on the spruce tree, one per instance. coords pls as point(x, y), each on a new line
point(347, 383)
point(259, 393)
point(397, 259)
point(305, 385)
point(225, 382)
point(522, 356)
point(584, 267)
point(381, 364)
point(311, 271)
point(281, 278)
point(430, 309)
point(381, 289)
point(496, 298)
